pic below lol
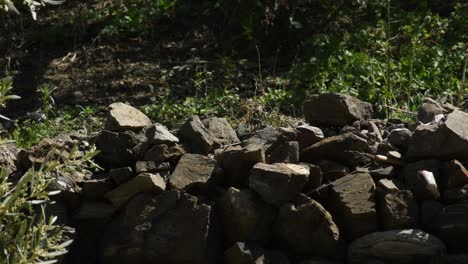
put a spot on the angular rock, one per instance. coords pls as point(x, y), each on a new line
point(398, 210)
point(121, 175)
point(449, 140)
point(192, 169)
point(315, 177)
point(409, 174)
point(332, 109)
point(171, 228)
point(237, 162)
point(161, 153)
point(455, 174)
point(428, 111)
point(288, 152)
point(123, 117)
point(456, 195)
point(308, 230)
point(278, 183)
point(116, 148)
point(450, 225)
point(242, 253)
point(245, 216)
point(96, 188)
point(196, 136)
point(353, 204)
point(265, 138)
point(426, 186)
point(159, 134)
point(144, 182)
point(400, 138)
point(333, 170)
point(221, 131)
point(308, 135)
point(151, 166)
point(344, 149)
point(411, 246)
point(382, 173)
point(8, 153)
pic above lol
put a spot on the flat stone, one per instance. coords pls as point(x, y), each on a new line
point(245, 216)
point(411, 246)
point(123, 117)
point(308, 230)
point(144, 182)
point(448, 140)
point(192, 169)
point(159, 134)
point(343, 148)
point(278, 183)
point(333, 109)
point(353, 204)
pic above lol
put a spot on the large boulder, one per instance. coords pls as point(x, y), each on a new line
point(332, 109)
point(123, 117)
point(171, 228)
point(278, 183)
point(347, 149)
point(411, 246)
point(245, 216)
point(192, 169)
point(447, 140)
point(308, 230)
point(352, 200)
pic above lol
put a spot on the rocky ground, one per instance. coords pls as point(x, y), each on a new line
point(340, 187)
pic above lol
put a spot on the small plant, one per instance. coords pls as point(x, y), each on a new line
point(6, 85)
point(47, 100)
point(28, 237)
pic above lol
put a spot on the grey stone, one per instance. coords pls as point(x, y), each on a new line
point(245, 216)
point(159, 134)
point(400, 138)
point(196, 136)
point(398, 210)
point(121, 175)
point(123, 117)
point(308, 230)
point(352, 203)
point(332, 171)
point(455, 174)
point(116, 148)
point(278, 183)
point(221, 131)
point(448, 140)
point(162, 153)
point(151, 166)
point(308, 135)
point(428, 111)
point(192, 169)
point(332, 109)
point(288, 152)
point(237, 162)
point(266, 138)
point(411, 246)
point(144, 182)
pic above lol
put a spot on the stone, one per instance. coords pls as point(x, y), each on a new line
point(387, 186)
point(332, 171)
point(308, 135)
point(222, 132)
point(123, 117)
point(171, 228)
point(162, 153)
point(333, 109)
point(308, 230)
point(352, 202)
point(456, 195)
point(238, 161)
point(265, 138)
point(428, 111)
point(315, 177)
point(448, 140)
point(96, 188)
point(382, 173)
point(400, 138)
point(196, 136)
point(159, 134)
point(429, 210)
point(151, 166)
point(343, 148)
point(242, 253)
point(116, 148)
point(411, 246)
point(278, 183)
point(398, 210)
point(288, 152)
point(426, 186)
point(245, 216)
point(192, 169)
point(96, 211)
point(144, 182)
point(409, 173)
point(455, 174)
point(450, 259)
point(8, 154)
point(450, 225)
point(121, 175)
